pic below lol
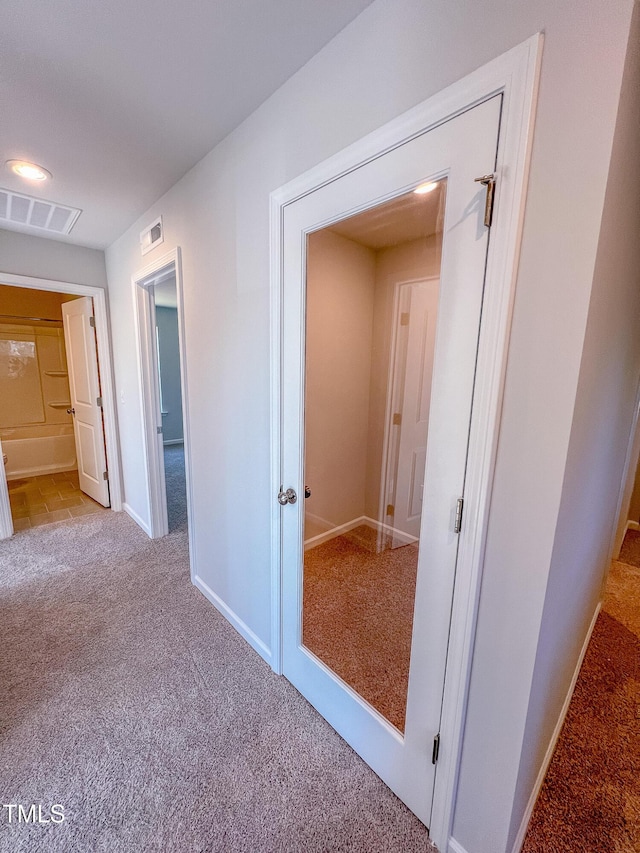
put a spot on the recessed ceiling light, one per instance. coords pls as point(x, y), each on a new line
point(27, 170)
point(426, 188)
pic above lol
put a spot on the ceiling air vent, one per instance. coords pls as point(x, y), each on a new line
point(19, 209)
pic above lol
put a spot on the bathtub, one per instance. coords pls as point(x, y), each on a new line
point(38, 450)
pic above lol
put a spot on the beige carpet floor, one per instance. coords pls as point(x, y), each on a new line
point(358, 616)
point(590, 799)
point(128, 699)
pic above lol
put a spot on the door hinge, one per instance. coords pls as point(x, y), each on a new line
point(390, 509)
point(404, 318)
point(436, 748)
point(105, 476)
point(457, 525)
point(397, 419)
point(92, 322)
point(99, 401)
point(488, 181)
point(159, 430)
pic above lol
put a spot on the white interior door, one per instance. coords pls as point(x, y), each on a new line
point(411, 396)
point(84, 384)
point(333, 379)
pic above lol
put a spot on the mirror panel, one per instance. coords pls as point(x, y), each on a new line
point(372, 284)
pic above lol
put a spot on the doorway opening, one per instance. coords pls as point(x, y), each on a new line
point(53, 442)
point(161, 351)
point(57, 423)
point(170, 387)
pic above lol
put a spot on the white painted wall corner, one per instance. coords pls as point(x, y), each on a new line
point(241, 627)
point(138, 519)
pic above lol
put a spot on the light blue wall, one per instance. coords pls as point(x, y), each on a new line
point(169, 356)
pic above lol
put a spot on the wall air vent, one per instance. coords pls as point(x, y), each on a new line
point(152, 236)
point(24, 210)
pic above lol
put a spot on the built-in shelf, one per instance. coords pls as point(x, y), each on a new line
point(56, 373)
point(60, 405)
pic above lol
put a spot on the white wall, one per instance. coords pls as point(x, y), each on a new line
point(602, 424)
point(397, 53)
point(24, 254)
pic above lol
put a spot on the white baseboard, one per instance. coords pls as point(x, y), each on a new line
point(40, 470)
point(332, 532)
point(554, 740)
point(351, 525)
point(633, 525)
point(138, 520)
point(170, 441)
point(381, 527)
point(241, 627)
point(320, 522)
point(454, 847)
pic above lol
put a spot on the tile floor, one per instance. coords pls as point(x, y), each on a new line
point(48, 498)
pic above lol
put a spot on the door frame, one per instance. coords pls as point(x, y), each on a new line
point(103, 340)
point(515, 76)
point(149, 389)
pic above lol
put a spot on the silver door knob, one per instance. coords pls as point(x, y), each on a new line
point(71, 411)
point(288, 497)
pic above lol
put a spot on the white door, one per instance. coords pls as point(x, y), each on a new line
point(365, 629)
point(408, 425)
point(86, 404)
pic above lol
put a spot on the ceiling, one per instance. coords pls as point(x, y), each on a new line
point(401, 220)
point(119, 99)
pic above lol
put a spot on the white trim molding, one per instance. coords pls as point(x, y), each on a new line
point(241, 627)
point(513, 76)
point(137, 518)
point(554, 738)
point(378, 526)
point(149, 389)
point(103, 339)
point(454, 847)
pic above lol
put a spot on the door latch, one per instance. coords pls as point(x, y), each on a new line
point(287, 497)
